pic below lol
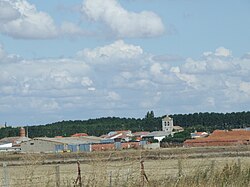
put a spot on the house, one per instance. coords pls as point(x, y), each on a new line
point(222, 138)
point(156, 135)
point(177, 129)
point(125, 136)
point(139, 135)
point(198, 134)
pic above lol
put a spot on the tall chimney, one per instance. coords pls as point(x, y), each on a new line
point(22, 132)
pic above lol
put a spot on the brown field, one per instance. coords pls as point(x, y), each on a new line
point(222, 166)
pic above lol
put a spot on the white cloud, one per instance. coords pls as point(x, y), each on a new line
point(113, 96)
point(122, 22)
point(2, 52)
point(86, 81)
point(221, 51)
point(7, 12)
point(117, 50)
point(245, 87)
point(121, 77)
point(69, 28)
point(20, 19)
point(25, 17)
point(192, 66)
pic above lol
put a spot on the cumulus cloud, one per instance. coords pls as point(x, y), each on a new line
point(122, 22)
point(7, 12)
point(20, 19)
point(118, 77)
point(117, 50)
point(21, 16)
point(221, 51)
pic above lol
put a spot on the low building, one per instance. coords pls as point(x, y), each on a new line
point(222, 138)
point(196, 134)
point(139, 135)
point(124, 136)
point(13, 143)
point(157, 135)
point(65, 144)
point(79, 135)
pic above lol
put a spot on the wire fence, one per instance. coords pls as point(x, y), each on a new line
point(141, 172)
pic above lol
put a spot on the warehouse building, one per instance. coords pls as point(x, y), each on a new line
point(60, 144)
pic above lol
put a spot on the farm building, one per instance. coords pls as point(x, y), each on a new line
point(13, 143)
point(124, 136)
point(199, 134)
point(222, 138)
point(69, 144)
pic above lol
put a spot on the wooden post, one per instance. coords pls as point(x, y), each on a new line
point(79, 178)
point(5, 176)
point(110, 179)
point(143, 175)
point(57, 176)
point(180, 172)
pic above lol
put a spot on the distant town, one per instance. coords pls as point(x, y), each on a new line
point(166, 131)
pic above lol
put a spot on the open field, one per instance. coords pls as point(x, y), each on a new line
point(228, 166)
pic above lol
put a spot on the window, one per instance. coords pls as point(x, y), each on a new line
point(32, 143)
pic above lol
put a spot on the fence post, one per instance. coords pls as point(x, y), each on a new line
point(79, 177)
point(143, 174)
point(212, 167)
point(110, 179)
point(180, 172)
point(57, 176)
point(239, 164)
point(5, 176)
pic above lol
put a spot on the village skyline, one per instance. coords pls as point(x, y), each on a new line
point(85, 59)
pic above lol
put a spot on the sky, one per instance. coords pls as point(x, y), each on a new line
point(82, 59)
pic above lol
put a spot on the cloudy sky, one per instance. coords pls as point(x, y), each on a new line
point(84, 59)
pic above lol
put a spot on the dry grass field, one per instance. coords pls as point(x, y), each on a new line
point(166, 167)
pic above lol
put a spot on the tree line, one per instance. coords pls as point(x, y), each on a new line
point(96, 127)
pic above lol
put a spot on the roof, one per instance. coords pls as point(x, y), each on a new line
point(158, 133)
point(167, 118)
point(72, 140)
point(178, 128)
point(141, 133)
point(13, 140)
point(199, 133)
point(79, 134)
point(224, 136)
point(118, 134)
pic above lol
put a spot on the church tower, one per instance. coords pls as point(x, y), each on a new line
point(167, 124)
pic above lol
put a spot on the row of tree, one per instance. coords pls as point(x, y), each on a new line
point(197, 121)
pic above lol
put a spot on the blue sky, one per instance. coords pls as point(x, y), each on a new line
point(84, 59)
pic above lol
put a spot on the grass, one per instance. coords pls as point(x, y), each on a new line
point(169, 172)
point(175, 167)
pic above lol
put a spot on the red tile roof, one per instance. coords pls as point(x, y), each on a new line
point(79, 135)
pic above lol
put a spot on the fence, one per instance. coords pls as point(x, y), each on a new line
point(141, 172)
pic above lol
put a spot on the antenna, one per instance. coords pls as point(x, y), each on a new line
point(27, 129)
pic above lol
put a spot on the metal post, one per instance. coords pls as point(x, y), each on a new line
point(57, 176)
point(5, 176)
